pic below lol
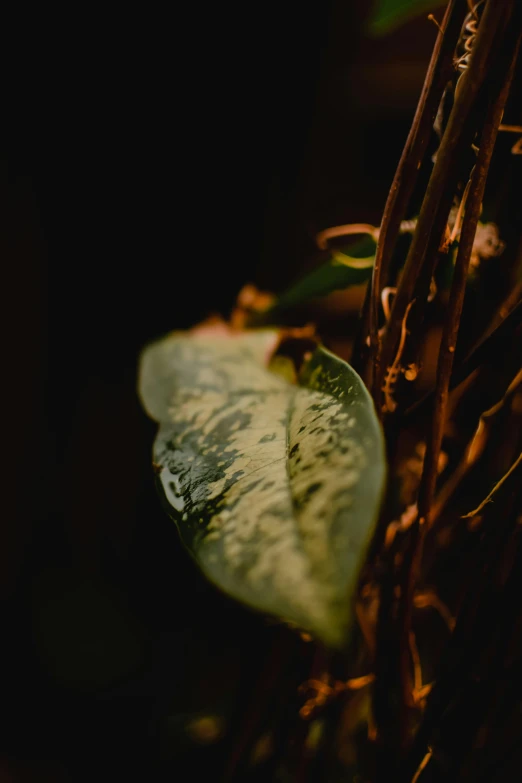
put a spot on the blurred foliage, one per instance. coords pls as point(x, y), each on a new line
point(346, 267)
point(389, 14)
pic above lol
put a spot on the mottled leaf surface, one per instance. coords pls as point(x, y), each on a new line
point(274, 487)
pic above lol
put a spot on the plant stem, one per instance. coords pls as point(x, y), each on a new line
point(506, 321)
point(439, 72)
point(424, 763)
point(456, 300)
point(435, 209)
point(479, 609)
point(449, 339)
point(511, 301)
point(392, 658)
point(473, 451)
point(497, 486)
point(498, 662)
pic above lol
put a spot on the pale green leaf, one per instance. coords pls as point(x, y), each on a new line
point(275, 488)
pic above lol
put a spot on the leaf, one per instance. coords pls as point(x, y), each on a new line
point(389, 14)
point(347, 267)
point(274, 487)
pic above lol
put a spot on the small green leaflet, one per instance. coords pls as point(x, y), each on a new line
point(346, 267)
point(389, 14)
point(275, 488)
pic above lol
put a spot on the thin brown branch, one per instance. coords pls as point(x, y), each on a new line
point(356, 683)
point(481, 607)
point(417, 668)
point(422, 766)
point(322, 692)
point(505, 321)
point(449, 340)
point(495, 489)
point(437, 76)
point(435, 209)
point(504, 311)
point(474, 450)
point(456, 300)
point(419, 696)
point(431, 18)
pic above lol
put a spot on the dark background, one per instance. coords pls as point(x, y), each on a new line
point(151, 164)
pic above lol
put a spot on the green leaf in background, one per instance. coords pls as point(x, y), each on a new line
point(275, 488)
point(389, 14)
point(349, 266)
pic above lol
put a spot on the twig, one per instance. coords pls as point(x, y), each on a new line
point(325, 692)
point(438, 74)
point(505, 636)
point(508, 306)
point(407, 518)
point(473, 451)
point(448, 343)
point(456, 300)
point(415, 657)
point(458, 219)
point(422, 766)
point(480, 607)
point(356, 683)
point(433, 216)
point(431, 18)
point(392, 373)
point(505, 322)
point(419, 696)
point(495, 489)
